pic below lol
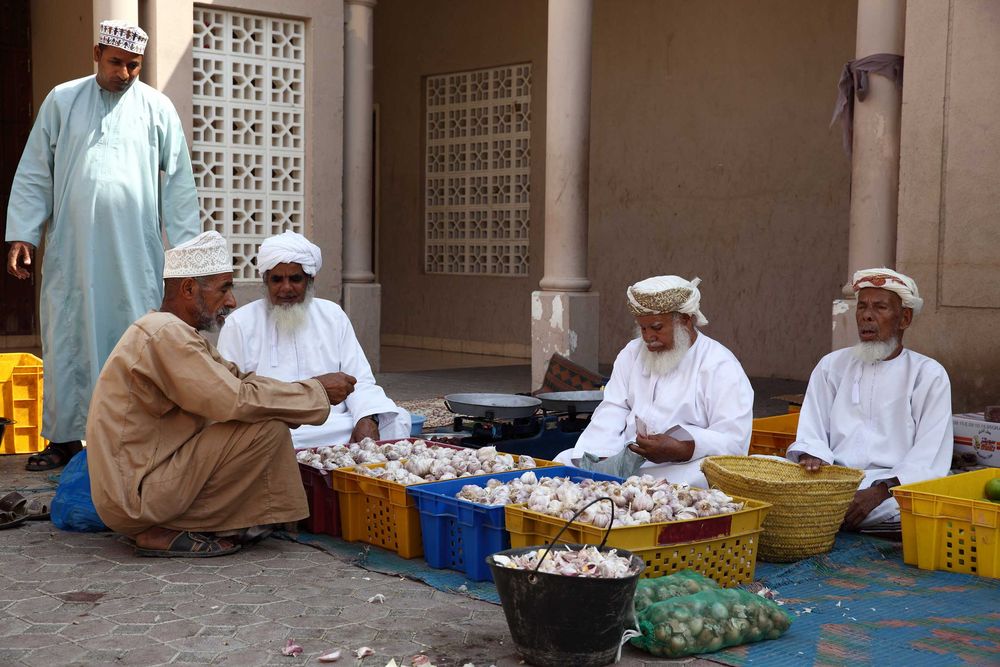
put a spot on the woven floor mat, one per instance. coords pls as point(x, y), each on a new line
point(433, 409)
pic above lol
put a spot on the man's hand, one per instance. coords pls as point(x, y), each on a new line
point(864, 502)
point(338, 386)
point(365, 428)
point(662, 448)
point(19, 259)
point(811, 463)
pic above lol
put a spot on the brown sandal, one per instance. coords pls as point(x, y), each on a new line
point(12, 510)
point(187, 544)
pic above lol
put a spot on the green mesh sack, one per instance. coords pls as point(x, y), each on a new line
point(708, 621)
point(685, 582)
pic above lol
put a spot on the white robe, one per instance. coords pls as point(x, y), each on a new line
point(325, 344)
point(890, 419)
point(708, 395)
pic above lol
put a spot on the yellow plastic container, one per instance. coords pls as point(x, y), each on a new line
point(773, 435)
point(722, 547)
point(379, 512)
point(21, 379)
point(949, 525)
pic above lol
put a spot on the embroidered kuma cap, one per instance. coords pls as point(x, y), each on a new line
point(205, 255)
point(123, 35)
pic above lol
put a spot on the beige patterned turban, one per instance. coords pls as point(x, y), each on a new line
point(666, 294)
point(205, 255)
point(887, 279)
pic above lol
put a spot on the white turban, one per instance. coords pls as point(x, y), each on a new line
point(289, 248)
point(205, 255)
point(666, 294)
point(887, 279)
point(123, 35)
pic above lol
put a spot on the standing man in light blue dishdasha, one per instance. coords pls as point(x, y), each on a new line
point(107, 166)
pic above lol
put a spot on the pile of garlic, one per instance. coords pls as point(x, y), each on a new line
point(637, 500)
point(586, 562)
point(440, 463)
point(366, 451)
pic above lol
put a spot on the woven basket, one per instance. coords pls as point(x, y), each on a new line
point(807, 507)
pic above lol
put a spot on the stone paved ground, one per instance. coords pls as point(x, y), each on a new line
point(85, 599)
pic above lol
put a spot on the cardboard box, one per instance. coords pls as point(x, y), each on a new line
point(977, 441)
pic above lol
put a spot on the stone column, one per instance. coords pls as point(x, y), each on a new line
point(875, 164)
point(564, 312)
point(114, 10)
point(362, 295)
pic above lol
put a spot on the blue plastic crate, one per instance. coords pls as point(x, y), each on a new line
point(458, 534)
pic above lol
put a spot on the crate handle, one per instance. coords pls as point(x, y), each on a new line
point(607, 532)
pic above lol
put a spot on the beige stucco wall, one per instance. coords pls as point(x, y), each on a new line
point(710, 156)
point(62, 44)
point(324, 116)
point(949, 197)
point(412, 40)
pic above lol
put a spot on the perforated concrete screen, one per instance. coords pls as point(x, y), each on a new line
point(248, 149)
point(477, 171)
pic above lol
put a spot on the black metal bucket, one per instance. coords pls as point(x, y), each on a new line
point(557, 621)
point(4, 423)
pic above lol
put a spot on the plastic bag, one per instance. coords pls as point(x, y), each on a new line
point(73, 508)
point(708, 621)
point(685, 582)
point(623, 464)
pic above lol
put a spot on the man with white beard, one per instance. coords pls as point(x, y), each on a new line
point(289, 334)
point(675, 395)
point(878, 406)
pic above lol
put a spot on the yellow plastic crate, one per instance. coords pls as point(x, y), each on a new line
point(773, 435)
point(723, 547)
point(21, 380)
point(949, 525)
point(379, 512)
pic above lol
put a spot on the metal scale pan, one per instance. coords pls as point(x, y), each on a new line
point(575, 402)
point(492, 406)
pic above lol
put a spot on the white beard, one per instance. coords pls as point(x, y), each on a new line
point(664, 362)
point(873, 351)
point(289, 319)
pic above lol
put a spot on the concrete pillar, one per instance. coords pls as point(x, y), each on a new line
point(875, 164)
point(114, 10)
point(362, 295)
point(564, 313)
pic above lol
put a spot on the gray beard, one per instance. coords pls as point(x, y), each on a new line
point(870, 352)
point(664, 363)
point(289, 319)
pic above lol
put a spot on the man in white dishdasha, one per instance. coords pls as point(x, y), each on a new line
point(878, 406)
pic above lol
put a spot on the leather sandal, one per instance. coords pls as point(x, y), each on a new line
point(187, 544)
point(12, 510)
point(56, 455)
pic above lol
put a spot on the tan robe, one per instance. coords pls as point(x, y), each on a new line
point(178, 437)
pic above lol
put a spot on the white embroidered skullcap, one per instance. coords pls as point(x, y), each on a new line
point(666, 294)
point(205, 255)
point(289, 248)
point(882, 278)
point(124, 35)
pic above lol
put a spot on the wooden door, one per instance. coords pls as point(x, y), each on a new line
point(18, 315)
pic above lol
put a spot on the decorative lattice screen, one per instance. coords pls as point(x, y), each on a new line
point(248, 149)
point(477, 171)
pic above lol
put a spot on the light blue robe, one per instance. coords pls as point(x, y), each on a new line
point(92, 167)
